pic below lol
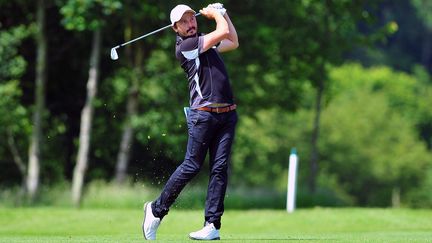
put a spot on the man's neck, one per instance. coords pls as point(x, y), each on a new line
point(186, 37)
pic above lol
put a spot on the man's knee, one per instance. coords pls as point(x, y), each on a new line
point(220, 166)
point(191, 167)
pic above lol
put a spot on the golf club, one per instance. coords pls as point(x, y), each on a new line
point(114, 55)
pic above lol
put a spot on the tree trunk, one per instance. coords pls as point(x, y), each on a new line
point(134, 59)
point(313, 164)
point(127, 137)
point(86, 121)
point(427, 49)
point(320, 83)
point(17, 159)
point(32, 184)
point(396, 197)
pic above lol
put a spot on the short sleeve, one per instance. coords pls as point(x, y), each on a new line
point(190, 48)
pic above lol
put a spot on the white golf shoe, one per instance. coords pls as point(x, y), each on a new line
point(150, 223)
point(209, 232)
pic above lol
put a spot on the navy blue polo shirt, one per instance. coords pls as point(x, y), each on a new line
point(206, 72)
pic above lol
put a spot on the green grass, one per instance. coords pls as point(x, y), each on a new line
point(305, 225)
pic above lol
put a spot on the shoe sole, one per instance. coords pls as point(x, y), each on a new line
point(142, 226)
point(190, 237)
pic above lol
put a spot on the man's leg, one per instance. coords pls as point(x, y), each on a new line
point(200, 132)
point(220, 151)
point(178, 180)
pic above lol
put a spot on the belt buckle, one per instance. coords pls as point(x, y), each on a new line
point(217, 110)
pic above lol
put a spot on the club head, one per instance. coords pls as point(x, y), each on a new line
point(114, 55)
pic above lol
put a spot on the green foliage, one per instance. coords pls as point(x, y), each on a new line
point(9, 104)
point(57, 195)
point(14, 123)
point(423, 11)
point(100, 194)
point(12, 65)
point(376, 121)
point(401, 89)
point(374, 141)
point(421, 197)
point(409, 45)
point(108, 195)
point(160, 125)
point(11, 197)
point(261, 156)
point(370, 143)
point(289, 45)
point(407, 94)
point(88, 14)
point(236, 197)
point(322, 197)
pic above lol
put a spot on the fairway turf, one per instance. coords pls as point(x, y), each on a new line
point(305, 225)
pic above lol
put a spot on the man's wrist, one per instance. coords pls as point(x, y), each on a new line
point(219, 7)
point(222, 11)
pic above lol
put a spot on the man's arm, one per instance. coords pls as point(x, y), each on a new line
point(221, 32)
point(231, 42)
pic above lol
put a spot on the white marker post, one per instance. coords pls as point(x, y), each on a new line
point(292, 178)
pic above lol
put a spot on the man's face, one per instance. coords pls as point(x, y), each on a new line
point(187, 25)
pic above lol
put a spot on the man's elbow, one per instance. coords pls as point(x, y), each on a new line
point(235, 45)
point(226, 33)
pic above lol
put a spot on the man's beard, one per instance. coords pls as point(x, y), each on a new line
point(189, 31)
point(186, 33)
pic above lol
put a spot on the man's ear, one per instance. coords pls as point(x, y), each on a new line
point(174, 27)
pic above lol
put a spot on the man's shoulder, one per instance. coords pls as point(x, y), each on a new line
point(191, 41)
point(188, 45)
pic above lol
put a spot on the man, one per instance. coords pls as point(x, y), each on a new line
point(211, 120)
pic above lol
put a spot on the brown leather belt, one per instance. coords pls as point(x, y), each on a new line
point(218, 109)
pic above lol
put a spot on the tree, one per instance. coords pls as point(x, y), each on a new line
point(128, 131)
point(86, 120)
point(134, 59)
point(36, 137)
point(335, 33)
point(423, 10)
point(372, 150)
point(73, 12)
point(405, 47)
point(140, 60)
point(375, 151)
point(14, 125)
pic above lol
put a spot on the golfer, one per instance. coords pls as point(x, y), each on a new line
point(211, 121)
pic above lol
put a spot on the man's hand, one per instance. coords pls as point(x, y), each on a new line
point(222, 29)
point(210, 13)
point(219, 7)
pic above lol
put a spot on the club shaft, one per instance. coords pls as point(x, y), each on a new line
point(148, 34)
point(143, 36)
